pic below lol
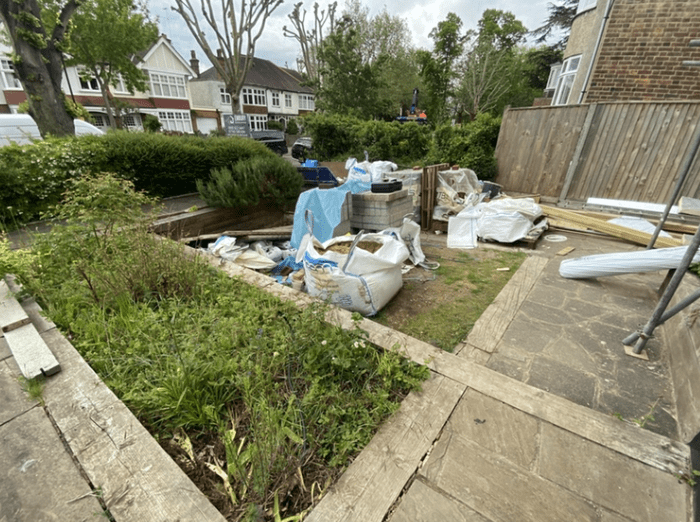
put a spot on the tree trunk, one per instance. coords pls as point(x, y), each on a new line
point(39, 65)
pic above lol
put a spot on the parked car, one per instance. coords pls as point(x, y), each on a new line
point(302, 148)
point(22, 129)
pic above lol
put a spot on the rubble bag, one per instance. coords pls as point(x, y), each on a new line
point(343, 273)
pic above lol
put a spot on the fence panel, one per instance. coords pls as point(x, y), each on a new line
point(630, 151)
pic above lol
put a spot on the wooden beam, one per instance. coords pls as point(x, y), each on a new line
point(600, 225)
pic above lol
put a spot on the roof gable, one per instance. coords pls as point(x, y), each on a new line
point(162, 56)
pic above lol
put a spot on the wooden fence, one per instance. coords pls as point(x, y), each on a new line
point(629, 151)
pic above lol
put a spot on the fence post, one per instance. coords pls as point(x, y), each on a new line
point(573, 165)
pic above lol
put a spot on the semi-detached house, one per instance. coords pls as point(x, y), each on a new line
point(270, 93)
point(181, 98)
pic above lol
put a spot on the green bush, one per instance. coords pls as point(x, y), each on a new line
point(275, 125)
point(339, 137)
point(292, 127)
point(246, 182)
point(34, 176)
point(471, 145)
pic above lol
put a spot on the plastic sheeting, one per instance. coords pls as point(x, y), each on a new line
point(367, 172)
point(623, 263)
point(326, 207)
point(502, 220)
point(452, 192)
point(359, 281)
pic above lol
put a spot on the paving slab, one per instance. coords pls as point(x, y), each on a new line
point(422, 503)
point(13, 400)
point(634, 490)
point(40, 482)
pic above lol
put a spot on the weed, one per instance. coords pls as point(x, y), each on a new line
point(194, 352)
point(34, 388)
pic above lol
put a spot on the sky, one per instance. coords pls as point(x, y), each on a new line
point(421, 17)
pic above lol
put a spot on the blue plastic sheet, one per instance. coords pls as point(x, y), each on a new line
point(326, 207)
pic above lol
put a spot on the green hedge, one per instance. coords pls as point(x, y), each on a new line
point(340, 137)
point(471, 145)
point(34, 176)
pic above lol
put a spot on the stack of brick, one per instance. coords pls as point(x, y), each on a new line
point(375, 212)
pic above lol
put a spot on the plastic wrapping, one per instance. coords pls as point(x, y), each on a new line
point(623, 263)
point(367, 172)
point(359, 281)
point(453, 188)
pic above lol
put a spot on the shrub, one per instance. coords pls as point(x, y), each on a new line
point(337, 137)
point(471, 145)
point(151, 123)
point(292, 127)
point(246, 182)
point(275, 125)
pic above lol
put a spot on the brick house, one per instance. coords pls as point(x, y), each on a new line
point(631, 50)
point(270, 93)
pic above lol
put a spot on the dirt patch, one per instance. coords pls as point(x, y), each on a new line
point(440, 306)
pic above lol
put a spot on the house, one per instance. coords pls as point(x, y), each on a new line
point(631, 50)
point(270, 93)
point(167, 97)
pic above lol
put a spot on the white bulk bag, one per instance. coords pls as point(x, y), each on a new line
point(359, 281)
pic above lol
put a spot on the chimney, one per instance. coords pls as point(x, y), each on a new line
point(194, 63)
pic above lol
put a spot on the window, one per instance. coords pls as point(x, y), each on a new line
point(89, 83)
point(168, 86)
point(7, 71)
point(554, 71)
point(566, 80)
point(254, 97)
point(118, 84)
point(585, 5)
point(131, 121)
point(258, 122)
point(99, 120)
point(288, 101)
point(225, 97)
point(175, 120)
point(275, 99)
point(306, 102)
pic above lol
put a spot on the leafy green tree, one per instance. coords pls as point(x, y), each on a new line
point(351, 85)
point(107, 34)
point(437, 67)
point(38, 42)
point(491, 69)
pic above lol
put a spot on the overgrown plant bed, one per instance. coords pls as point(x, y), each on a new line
point(440, 307)
point(262, 404)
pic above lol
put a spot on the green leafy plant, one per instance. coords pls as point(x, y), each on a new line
point(34, 388)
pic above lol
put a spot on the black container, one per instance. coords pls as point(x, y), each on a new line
point(387, 186)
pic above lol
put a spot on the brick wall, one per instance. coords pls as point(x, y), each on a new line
point(643, 49)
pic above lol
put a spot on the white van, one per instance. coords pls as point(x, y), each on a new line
point(22, 129)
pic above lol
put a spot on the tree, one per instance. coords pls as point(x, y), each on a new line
point(236, 33)
point(107, 34)
point(437, 67)
point(310, 39)
point(491, 68)
point(38, 57)
point(561, 16)
point(350, 84)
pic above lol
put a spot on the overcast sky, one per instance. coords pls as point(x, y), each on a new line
point(421, 17)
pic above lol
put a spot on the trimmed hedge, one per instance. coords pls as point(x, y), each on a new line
point(34, 176)
point(340, 137)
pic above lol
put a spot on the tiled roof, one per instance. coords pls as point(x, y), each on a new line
point(264, 73)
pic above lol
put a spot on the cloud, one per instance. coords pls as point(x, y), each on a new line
point(421, 18)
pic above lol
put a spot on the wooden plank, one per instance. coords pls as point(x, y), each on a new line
point(31, 354)
point(379, 474)
point(12, 315)
point(139, 481)
point(689, 206)
point(599, 225)
point(632, 150)
point(493, 323)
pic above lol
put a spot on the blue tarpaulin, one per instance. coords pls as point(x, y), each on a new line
point(326, 207)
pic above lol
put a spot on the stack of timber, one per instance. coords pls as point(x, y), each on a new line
point(260, 234)
point(582, 221)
